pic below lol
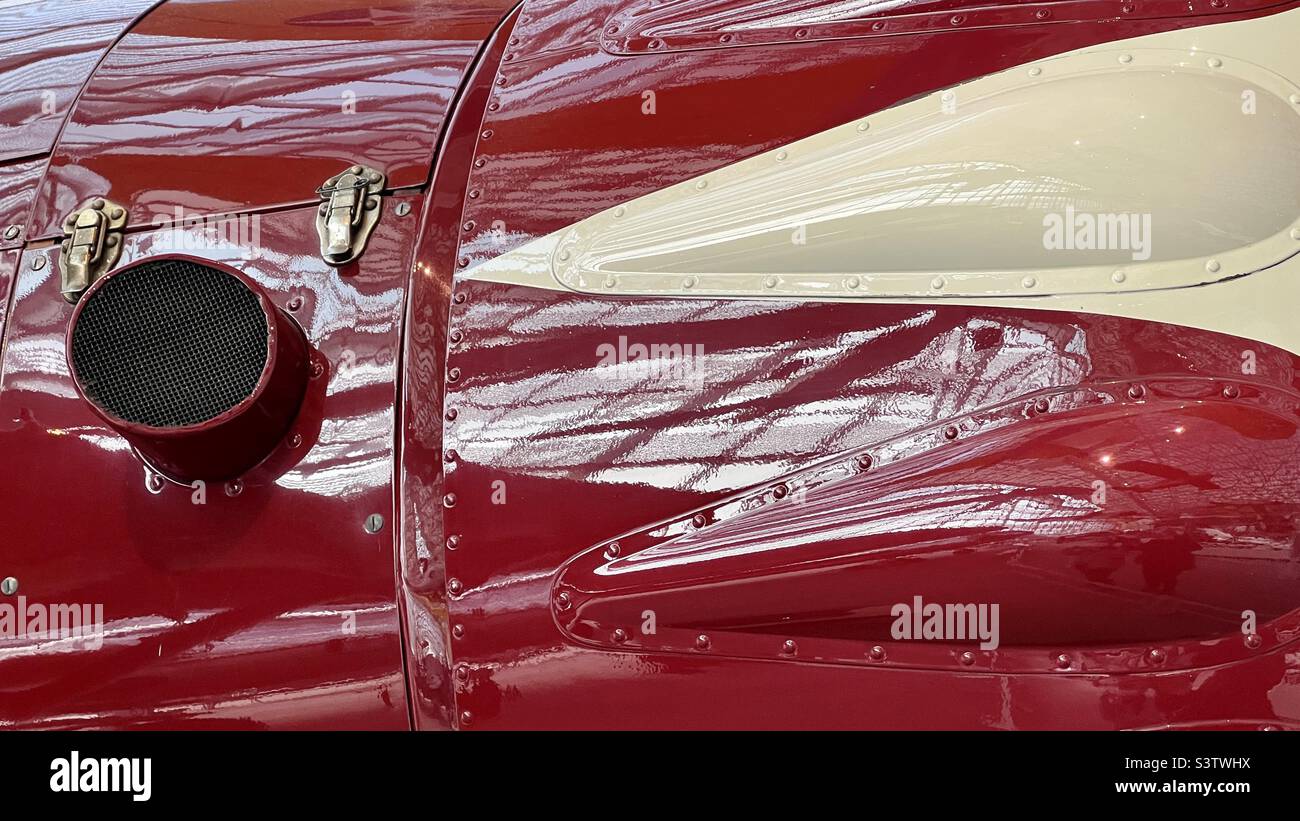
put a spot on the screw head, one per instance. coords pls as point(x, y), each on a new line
point(877, 653)
point(450, 455)
point(1136, 392)
point(699, 520)
point(459, 299)
point(613, 551)
point(38, 262)
point(1041, 405)
point(563, 601)
point(462, 672)
point(453, 542)
point(454, 587)
point(449, 500)
point(453, 374)
point(1063, 662)
point(864, 462)
point(1156, 656)
point(951, 432)
point(12, 231)
point(402, 209)
point(455, 335)
point(702, 642)
point(1231, 392)
point(466, 718)
point(451, 415)
point(234, 487)
point(789, 648)
point(374, 523)
point(780, 491)
point(620, 636)
point(1253, 641)
point(9, 586)
point(458, 631)
point(967, 658)
point(294, 304)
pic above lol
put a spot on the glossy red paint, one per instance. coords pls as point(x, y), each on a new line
point(231, 443)
point(18, 182)
point(266, 606)
point(1141, 595)
point(48, 49)
point(225, 106)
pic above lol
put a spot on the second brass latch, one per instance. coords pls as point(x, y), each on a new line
point(349, 212)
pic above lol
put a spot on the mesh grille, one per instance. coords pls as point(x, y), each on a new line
point(170, 343)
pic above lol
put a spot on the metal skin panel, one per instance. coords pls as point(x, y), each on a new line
point(550, 452)
point(222, 106)
point(18, 181)
point(269, 606)
point(48, 48)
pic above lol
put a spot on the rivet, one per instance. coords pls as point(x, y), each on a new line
point(701, 642)
point(726, 38)
point(97, 204)
point(610, 281)
point(620, 211)
point(1127, 8)
point(403, 208)
point(38, 262)
point(480, 162)
point(450, 455)
point(9, 586)
point(1295, 232)
point(937, 283)
point(864, 462)
point(468, 225)
point(234, 487)
point(458, 631)
point(780, 491)
point(12, 231)
point(877, 26)
point(789, 648)
point(1118, 276)
point(356, 169)
point(450, 415)
point(466, 718)
point(957, 19)
point(656, 43)
point(316, 370)
point(770, 282)
point(474, 193)
point(1041, 405)
point(620, 636)
point(449, 500)
point(1042, 14)
point(1063, 662)
point(951, 432)
point(459, 299)
point(563, 601)
point(1231, 392)
point(493, 106)
point(699, 520)
point(1136, 392)
point(853, 283)
point(864, 125)
point(701, 185)
point(1029, 282)
point(455, 335)
point(1253, 641)
point(689, 282)
point(453, 375)
point(453, 542)
point(1156, 656)
point(1212, 266)
point(1295, 99)
point(613, 550)
point(877, 653)
point(781, 156)
point(454, 587)
point(1126, 58)
point(294, 304)
point(1214, 62)
point(801, 33)
point(463, 262)
point(462, 672)
point(153, 482)
point(374, 523)
point(967, 658)
point(564, 254)
point(1035, 71)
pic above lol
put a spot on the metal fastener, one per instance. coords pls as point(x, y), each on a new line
point(374, 523)
point(38, 262)
point(402, 209)
point(9, 586)
point(789, 648)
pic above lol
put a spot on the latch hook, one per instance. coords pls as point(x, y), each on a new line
point(91, 246)
point(351, 207)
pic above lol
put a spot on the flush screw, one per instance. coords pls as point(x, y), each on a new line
point(38, 262)
point(374, 523)
point(9, 586)
point(403, 208)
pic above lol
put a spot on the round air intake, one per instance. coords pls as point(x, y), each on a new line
point(191, 362)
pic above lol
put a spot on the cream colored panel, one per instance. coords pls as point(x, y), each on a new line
point(1181, 152)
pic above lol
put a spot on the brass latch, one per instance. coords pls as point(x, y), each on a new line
point(351, 207)
point(92, 244)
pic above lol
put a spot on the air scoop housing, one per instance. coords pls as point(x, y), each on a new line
point(191, 362)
